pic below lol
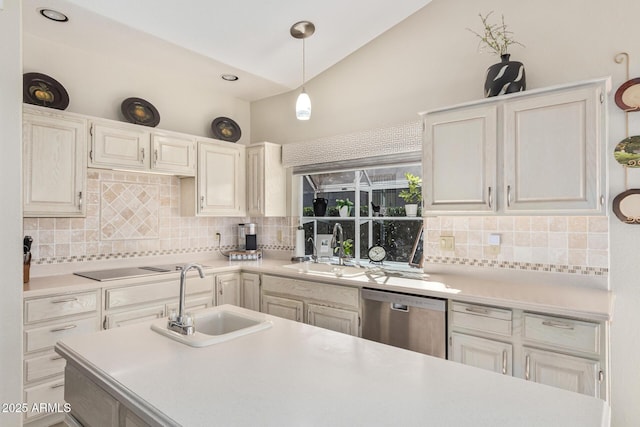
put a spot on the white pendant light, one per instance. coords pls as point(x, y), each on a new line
point(302, 30)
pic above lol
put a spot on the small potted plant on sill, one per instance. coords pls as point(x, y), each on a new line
point(347, 248)
point(344, 206)
point(506, 76)
point(413, 195)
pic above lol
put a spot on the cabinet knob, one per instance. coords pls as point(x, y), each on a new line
point(142, 152)
point(527, 366)
point(508, 195)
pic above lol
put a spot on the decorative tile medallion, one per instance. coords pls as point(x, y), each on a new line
point(129, 211)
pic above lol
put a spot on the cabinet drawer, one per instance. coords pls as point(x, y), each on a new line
point(333, 294)
point(481, 318)
point(46, 336)
point(60, 305)
point(49, 392)
point(134, 316)
point(138, 294)
point(44, 366)
point(562, 332)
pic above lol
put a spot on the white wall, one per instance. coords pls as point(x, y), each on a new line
point(97, 84)
point(10, 210)
point(430, 60)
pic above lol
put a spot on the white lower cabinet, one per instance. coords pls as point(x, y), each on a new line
point(131, 317)
point(250, 288)
point(336, 319)
point(558, 351)
point(325, 305)
point(283, 307)
point(571, 373)
point(228, 289)
point(47, 319)
point(482, 353)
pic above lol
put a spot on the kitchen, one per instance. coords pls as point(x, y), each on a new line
point(583, 53)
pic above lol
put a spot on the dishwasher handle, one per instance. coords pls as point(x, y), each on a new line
point(397, 300)
point(399, 307)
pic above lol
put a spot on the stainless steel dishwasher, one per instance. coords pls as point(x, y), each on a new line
point(413, 322)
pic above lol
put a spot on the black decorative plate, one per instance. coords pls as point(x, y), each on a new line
point(628, 95)
point(226, 129)
point(140, 112)
point(40, 89)
point(627, 152)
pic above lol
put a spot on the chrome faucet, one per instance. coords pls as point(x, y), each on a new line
point(184, 323)
point(314, 253)
point(337, 240)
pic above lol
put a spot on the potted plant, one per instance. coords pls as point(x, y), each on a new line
point(347, 248)
point(344, 206)
point(413, 195)
point(506, 76)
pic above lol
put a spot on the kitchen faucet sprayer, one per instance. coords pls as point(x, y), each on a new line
point(337, 240)
point(184, 323)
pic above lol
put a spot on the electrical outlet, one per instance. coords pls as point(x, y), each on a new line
point(447, 243)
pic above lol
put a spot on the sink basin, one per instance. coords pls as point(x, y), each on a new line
point(322, 269)
point(216, 325)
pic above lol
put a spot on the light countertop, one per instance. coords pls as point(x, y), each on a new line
point(551, 293)
point(293, 374)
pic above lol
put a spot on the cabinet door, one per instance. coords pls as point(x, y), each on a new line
point(173, 154)
point(345, 321)
point(134, 316)
point(482, 353)
point(221, 179)
point(255, 181)
point(558, 370)
point(54, 165)
point(114, 146)
point(251, 291)
point(460, 160)
point(552, 152)
point(282, 307)
point(228, 289)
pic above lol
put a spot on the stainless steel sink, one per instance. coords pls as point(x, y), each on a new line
point(216, 325)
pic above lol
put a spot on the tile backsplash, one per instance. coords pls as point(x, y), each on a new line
point(555, 243)
point(136, 214)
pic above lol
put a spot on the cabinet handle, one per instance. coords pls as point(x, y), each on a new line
point(477, 310)
point(559, 325)
point(80, 200)
point(155, 156)
point(504, 362)
point(602, 200)
point(201, 202)
point(508, 195)
point(490, 199)
point(60, 301)
point(297, 314)
point(142, 159)
point(56, 358)
point(64, 328)
point(527, 365)
point(601, 376)
point(104, 323)
point(57, 385)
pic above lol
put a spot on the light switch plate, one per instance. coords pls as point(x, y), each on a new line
point(447, 243)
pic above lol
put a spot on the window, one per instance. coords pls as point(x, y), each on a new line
point(376, 216)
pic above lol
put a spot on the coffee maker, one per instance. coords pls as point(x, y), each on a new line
point(247, 244)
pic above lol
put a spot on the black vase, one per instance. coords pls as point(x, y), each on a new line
point(505, 77)
point(319, 206)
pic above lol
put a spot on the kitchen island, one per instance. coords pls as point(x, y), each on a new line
point(293, 374)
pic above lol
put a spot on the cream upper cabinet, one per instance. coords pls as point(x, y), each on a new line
point(116, 145)
point(553, 152)
point(460, 154)
point(54, 163)
point(266, 180)
point(119, 145)
point(175, 154)
point(219, 189)
point(535, 152)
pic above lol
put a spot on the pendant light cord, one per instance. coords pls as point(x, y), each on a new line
point(303, 62)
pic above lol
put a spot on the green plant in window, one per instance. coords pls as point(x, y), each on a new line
point(347, 247)
point(414, 193)
point(307, 212)
point(344, 202)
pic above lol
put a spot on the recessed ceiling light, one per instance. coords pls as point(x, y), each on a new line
point(54, 15)
point(229, 77)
